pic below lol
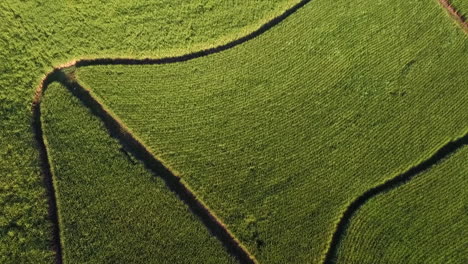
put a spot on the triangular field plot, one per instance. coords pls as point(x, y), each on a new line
point(111, 208)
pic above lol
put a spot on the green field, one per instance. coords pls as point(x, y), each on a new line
point(277, 136)
point(424, 221)
point(278, 143)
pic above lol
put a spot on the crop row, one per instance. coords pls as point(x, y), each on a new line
point(455, 13)
point(38, 34)
point(461, 6)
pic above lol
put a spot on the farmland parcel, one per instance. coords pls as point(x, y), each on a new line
point(278, 136)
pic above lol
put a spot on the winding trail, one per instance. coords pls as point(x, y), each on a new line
point(117, 129)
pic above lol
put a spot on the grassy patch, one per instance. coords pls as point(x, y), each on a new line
point(280, 134)
point(461, 6)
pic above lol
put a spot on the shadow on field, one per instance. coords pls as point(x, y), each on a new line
point(45, 165)
point(455, 14)
point(129, 142)
point(134, 146)
point(262, 29)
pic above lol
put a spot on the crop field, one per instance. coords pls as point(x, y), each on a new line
point(267, 131)
point(37, 35)
point(423, 221)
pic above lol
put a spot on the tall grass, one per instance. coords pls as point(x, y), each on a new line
point(121, 212)
point(461, 6)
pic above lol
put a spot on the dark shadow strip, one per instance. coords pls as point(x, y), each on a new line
point(46, 170)
point(262, 29)
point(134, 146)
point(338, 235)
point(172, 181)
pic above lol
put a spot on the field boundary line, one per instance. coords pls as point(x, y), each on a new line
point(197, 54)
point(134, 145)
point(341, 227)
point(455, 14)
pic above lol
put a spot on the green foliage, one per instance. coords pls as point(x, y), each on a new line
point(280, 134)
point(423, 221)
point(111, 209)
point(36, 35)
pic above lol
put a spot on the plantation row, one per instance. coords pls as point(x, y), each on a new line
point(279, 135)
point(117, 233)
point(455, 13)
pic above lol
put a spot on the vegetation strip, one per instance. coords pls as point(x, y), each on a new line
point(174, 182)
point(453, 12)
point(129, 61)
point(448, 149)
point(118, 130)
